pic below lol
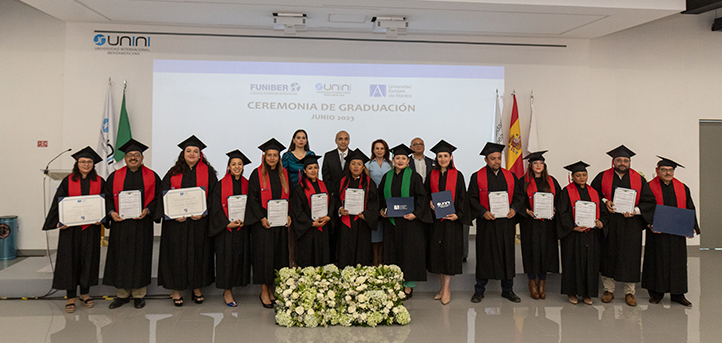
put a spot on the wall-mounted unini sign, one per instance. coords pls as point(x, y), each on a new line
point(119, 44)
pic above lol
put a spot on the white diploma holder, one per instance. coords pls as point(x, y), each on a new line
point(544, 205)
point(129, 204)
point(354, 201)
point(585, 214)
point(319, 206)
point(81, 210)
point(237, 207)
point(278, 212)
point(624, 199)
point(184, 202)
point(499, 204)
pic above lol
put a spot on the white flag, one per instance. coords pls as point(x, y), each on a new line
point(533, 140)
point(106, 140)
point(498, 129)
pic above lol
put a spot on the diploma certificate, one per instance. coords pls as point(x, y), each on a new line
point(278, 212)
point(81, 210)
point(184, 202)
point(585, 213)
point(237, 207)
point(354, 201)
point(624, 199)
point(499, 204)
point(544, 205)
point(129, 203)
point(319, 205)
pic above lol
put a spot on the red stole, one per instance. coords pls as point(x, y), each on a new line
point(74, 189)
point(635, 181)
point(148, 185)
point(679, 192)
point(201, 177)
point(309, 190)
point(574, 197)
point(451, 175)
point(533, 188)
point(482, 182)
point(266, 193)
point(227, 190)
point(346, 220)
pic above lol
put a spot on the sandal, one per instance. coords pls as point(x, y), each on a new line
point(198, 299)
point(178, 302)
point(88, 302)
point(69, 308)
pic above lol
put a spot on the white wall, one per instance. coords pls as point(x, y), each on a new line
point(646, 87)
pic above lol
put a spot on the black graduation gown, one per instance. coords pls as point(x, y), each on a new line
point(312, 245)
point(186, 251)
point(446, 238)
point(269, 247)
point(495, 254)
point(622, 243)
point(232, 248)
point(539, 244)
point(130, 244)
point(581, 251)
point(354, 243)
point(665, 255)
point(405, 242)
point(78, 256)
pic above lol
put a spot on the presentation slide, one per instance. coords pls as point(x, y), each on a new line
point(239, 105)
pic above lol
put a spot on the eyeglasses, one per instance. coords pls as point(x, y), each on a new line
point(136, 155)
point(85, 162)
point(417, 144)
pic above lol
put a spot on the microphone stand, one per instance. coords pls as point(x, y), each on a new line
point(46, 173)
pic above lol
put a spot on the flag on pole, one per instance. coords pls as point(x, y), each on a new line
point(514, 154)
point(498, 130)
point(533, 138)
point(124, 134)
point(106, 140)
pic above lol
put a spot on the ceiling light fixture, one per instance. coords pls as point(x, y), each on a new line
point(391, 25)
point(289, 22)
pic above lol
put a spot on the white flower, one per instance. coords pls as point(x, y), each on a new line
point(348, 298)
point(389, 304)
point(288, 303)
point(287, 292)
point(300, 310)
point(290, 282)
point(318, 277)
point(355, 315)
point(361, 298)
point(295, 295)
point(310, 311)
point(395, 310)
point(363, 316)
point(331, 294)
point(319, 296)
point(401, 295)
point(332, 304)
point(351, 309)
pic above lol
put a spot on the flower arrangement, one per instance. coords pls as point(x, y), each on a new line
point(361, 296)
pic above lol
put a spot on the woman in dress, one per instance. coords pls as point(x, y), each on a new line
point(298, 149)
point(379, 165)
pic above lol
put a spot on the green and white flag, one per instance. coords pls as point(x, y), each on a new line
point(124, 134)
point(106, 140)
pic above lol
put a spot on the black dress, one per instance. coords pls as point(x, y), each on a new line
point(539, 243)
point(354, 242)
point(312, 245)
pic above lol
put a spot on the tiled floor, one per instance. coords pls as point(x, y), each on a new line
point(493, 320)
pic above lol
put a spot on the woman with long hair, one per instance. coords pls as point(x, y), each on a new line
point(378, 166)
point(298, 149)
point(78, 256)
point(186, 252)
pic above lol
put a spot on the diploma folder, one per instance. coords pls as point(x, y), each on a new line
point(443, 204)
point(674, 221)
point(399, 206)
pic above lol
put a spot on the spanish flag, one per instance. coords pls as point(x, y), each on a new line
point(513, 154)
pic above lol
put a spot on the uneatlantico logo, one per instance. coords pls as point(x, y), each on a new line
point(377, 91)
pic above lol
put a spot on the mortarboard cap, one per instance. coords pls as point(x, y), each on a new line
point(535, 156)
point(357, 155)
point(272, 144)
point(309, 160)
point(577, 167)
point(192, 141)
point(665, 162)
point(87, 152)
point(238, 154)
point(490, 148)
point(621, 151)
point(443, 146)
point(133, 145)
point(401, 149)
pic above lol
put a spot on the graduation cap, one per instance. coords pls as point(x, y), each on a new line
point(87, 152)
point(133, 145)
point(401, 149)
point(443, 146)
point(357, 155)
point(621, 151)
point(665, 162)
point(535, 156)
point(272, 144)
point(577, 167)
point(491, 148)
point(192, 141)
point(238, 154)
point(309, 160)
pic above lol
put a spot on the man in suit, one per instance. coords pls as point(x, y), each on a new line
point(334, 163)
point(420, 163)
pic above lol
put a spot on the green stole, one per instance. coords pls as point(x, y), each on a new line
point(405, 185)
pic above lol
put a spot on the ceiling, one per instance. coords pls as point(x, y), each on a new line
point(517, 18)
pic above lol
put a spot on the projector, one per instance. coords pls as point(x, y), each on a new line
point(289, 22)
point(391, 25)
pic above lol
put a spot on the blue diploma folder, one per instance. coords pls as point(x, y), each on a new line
point(399, 206)
point(674, 221)
point(443, 204)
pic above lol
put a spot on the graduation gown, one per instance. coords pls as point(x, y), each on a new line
point(186, 251)
point(539, 244)
point(446, 238)
point(269, 247)
point(665, 255)
point(78, 256)
point(354, 242)
point(232, 246)
point(581, 251)
point(130, 244)
point(405, 242)
point(312, 244)
point(622, 243)
point(495, 254)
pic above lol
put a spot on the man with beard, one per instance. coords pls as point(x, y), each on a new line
point(622, 243)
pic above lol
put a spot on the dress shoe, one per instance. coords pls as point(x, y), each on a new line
point(629, 298)
point(118, 302)
point(511, 296)
point(588, 301)
point(573, 299)
point(681, 300)
point(533, 292)
point(542, 289)
point(654, 300)
point(409, 294)
point(607, 297)
point(264, 304)
point(139, 302)
point(476, 298)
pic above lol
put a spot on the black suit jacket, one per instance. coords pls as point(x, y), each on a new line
point(331, 171)
point(429, 164)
